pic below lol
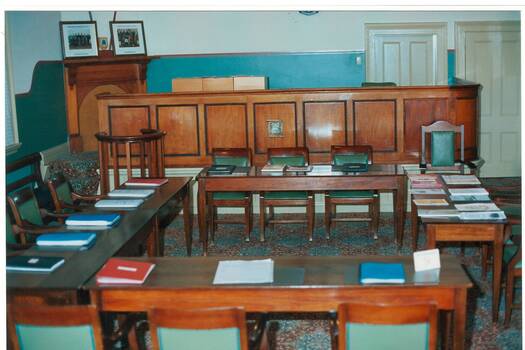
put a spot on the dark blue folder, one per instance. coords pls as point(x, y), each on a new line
point(33, 263)
point(379, 272)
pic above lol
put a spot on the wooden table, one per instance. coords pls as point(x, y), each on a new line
point(137, 230)
point(381, 177)
point(328, 282)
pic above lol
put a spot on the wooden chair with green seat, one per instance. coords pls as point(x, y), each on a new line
point(38, 327)
point(30, 220)
point(378, 326)
point(512, 260)
point(238, 157)
point(293, 156)
point(203, 329)
point(361, 154)
point(64, 199)
point(442, 144)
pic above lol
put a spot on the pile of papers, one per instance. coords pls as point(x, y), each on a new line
point(244, 272)
point(427, 181)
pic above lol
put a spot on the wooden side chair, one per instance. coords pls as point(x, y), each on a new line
point(442, 143)
point(238, 157)
point(41, 327)
point(111, 149)
point(213, 329)
point(64, 199)
point(512, 259)
point(361, 154)
point(29, 217)
point(387, 326)
point(293, 156)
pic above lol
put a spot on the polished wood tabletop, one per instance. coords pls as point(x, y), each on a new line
point(381, 177)
point(301, 284)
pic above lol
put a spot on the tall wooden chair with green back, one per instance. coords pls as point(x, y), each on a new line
point(442, 144)
point(203, 329)
point(240, 157)
point(64, 199)
point(404, 325)
point(38, 327)
point(293, 156)
point(360, 154)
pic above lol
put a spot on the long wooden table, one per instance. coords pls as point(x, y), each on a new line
point(327, 282)
point(381, 177)
point(137, 231)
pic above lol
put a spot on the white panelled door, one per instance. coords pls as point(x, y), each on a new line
point(406, 54)
point(488, 53)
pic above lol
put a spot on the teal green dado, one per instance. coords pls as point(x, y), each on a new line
point(284, 70)
point(41, 112)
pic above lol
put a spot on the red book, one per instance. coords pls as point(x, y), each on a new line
point(124, 271)
point(141, 181)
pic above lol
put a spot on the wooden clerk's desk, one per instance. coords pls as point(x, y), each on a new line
point(328, 282)
point(381, 177)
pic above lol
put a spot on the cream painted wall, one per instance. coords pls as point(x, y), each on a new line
point(262, 31)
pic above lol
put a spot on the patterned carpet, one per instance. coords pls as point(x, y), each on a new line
point(303, 331)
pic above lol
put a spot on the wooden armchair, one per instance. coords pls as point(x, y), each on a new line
point(217, 329)
point(37, 327)
point(351, 154)
point(387, 326)
point(443, 144)
point(294, 156)
point(238, 157)
point(147, 147)
point(64, 199)
point(28, 217)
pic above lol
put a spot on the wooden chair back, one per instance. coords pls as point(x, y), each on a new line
point(61, 192)
point(285, 152)
point(54, 327)
point(34, 177)
point(351, 150)
point(377, 314)
point(243, 154)
point(198, 319)
point(24, 207)
point(150, 145)
point(441, 125)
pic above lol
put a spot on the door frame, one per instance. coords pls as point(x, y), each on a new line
point(437, 29)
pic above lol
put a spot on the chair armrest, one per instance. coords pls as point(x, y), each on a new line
point(53, 214)
point(86, 198)
point(29, 228)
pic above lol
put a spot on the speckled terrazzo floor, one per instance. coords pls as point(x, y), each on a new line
point(291, 331)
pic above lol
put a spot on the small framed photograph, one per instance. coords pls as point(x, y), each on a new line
point(128, 38)
point(103, 43)
point(275, 128)
point(79, 39)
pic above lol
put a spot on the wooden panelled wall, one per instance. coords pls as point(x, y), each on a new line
point(389, 119)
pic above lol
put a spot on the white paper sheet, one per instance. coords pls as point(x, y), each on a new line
point(244, 271)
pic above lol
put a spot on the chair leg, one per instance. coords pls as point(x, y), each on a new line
point(247, 224)
point(484, 260)
point(509, 297)
point(271, 216)
point(211, 225)
point(262, 219)
point(414, 225)
point(327, 215)
point(310, 215)
point(375, 216)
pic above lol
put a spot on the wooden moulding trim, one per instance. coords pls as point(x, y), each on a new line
point(39, 63)
point(395, 122)
point(196, 106)
point(325, 101)
point(206, 105)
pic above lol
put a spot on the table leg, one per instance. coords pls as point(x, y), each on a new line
point(187, 219)
point(460, 318)
point(414, 225)
point(431, 236)
point(497, 266)
point(400, 209)
point(203, 230)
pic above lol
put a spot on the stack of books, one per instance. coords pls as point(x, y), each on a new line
point(146, 181)
point(131, 193)
point(33, 263)
point(471, 194)
point(221, 169)
point(121, 271)
point(381, 273)
point(119, 203)
point(418, 181)
point(93, 219)
point(430, 202)
point(273, 168)
point(461, 179)
point(81, 240)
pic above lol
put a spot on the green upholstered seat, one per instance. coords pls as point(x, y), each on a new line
point(515, 230)
point(387, 337)
point(359, 158)
point(199, 339)
point(30, 211)
point(228, 195)
point(55, 338)
point(511, 210)
point(286, 195)
point(288, 160)
point(351, 194)
point(64, 193)
point(442, 148)
point(227, 160)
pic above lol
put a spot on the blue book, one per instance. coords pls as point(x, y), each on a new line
point(378, 272)
point(33, 263)
point(67, 239)
point(92, 219)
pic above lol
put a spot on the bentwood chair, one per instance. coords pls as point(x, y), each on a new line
point(64, 199)
point(38, 327)
point(238, 157)
point(203, 329)
point(28, 217)
point(145, 151)
point(442, 143)
point(379, 326)
point(340, 155)
point(293, 156)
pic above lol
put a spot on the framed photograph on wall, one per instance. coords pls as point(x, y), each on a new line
point(127, 38)
point(79, 39)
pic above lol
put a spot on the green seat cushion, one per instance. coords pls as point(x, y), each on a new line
point(442, 148)
point(228, 195)
point(226, 160)
point(288, 160)
point(351, 194)
point(55, 338)
point(199, 339)
point(509, 251)
point(359, 158)
point(286, 195)
point(511, 210)
point(387, 337)
point(30, 211)
point(64, 193)
point(515, 230)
